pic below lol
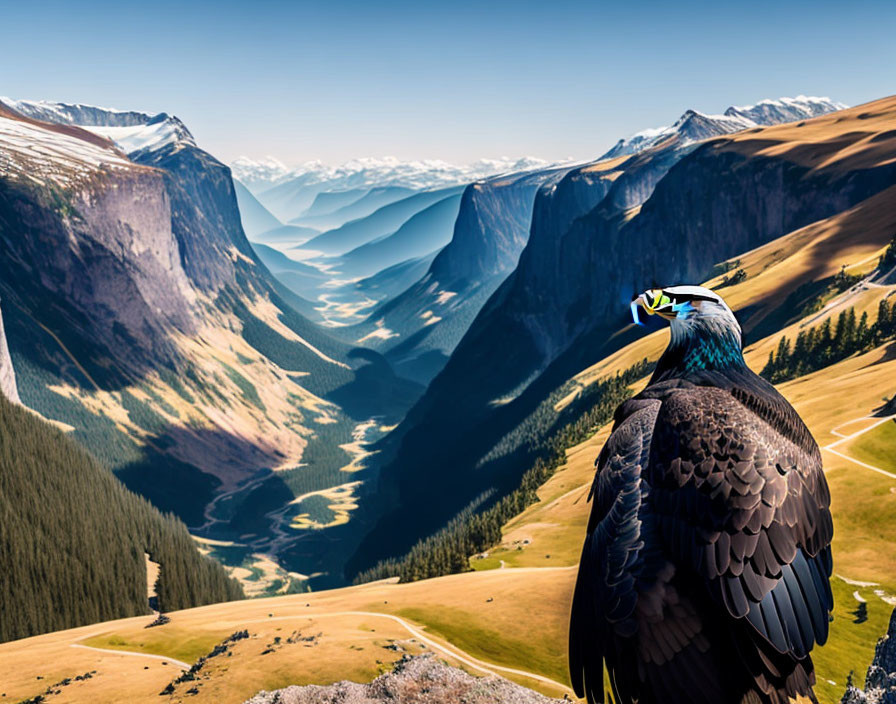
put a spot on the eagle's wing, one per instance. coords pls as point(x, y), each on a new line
point(746, 508)
point(605, 595)
point(705, 568)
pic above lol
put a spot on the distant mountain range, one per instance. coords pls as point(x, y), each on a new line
point(372, 172)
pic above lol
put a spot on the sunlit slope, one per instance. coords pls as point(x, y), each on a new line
point(511, 617)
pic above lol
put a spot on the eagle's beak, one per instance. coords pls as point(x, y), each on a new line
point(639, 301)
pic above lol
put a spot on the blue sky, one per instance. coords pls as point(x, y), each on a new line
point(458, 81)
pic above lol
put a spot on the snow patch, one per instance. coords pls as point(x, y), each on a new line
point(381, 333)
point(42, 155)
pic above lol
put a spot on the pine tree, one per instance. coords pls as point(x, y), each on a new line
point(863, 334)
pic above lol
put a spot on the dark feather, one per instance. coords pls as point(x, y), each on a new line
point(704, 576)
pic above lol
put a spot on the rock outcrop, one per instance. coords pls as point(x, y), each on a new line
point(7, 374)
point(880, 682)
point(415, 680)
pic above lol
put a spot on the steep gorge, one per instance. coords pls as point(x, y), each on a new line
point(564, 306)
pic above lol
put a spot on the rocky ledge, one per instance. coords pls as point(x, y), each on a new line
point(423, 679)
point(880, 682)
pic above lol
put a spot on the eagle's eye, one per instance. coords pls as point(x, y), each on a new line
point(657, 299)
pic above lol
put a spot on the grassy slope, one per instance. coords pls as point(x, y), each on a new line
point(877, 447)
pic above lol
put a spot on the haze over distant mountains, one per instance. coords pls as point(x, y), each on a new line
point(370, 172)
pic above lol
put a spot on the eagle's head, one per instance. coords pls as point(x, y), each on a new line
point(705, 332)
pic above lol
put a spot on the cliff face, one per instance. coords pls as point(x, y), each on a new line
point(205, 210)
point(559, 311)
point(68, 229)
point(880, 682)
point(7, 374)
point(491, 229)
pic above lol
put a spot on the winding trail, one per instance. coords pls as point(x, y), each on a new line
point(845, 438)
point(177, 663)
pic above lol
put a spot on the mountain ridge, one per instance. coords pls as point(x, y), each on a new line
point(694, 125)
point(591, 267)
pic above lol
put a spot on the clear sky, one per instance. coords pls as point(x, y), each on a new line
point(334, 80)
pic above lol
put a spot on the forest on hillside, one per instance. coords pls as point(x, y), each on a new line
point(73, 538)
point(828, 343)
point(449, 550)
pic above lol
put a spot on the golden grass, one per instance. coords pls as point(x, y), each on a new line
point(876, 447)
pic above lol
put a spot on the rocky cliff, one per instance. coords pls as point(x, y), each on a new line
point(7, 374)
point(560, 310)
point(880, 682)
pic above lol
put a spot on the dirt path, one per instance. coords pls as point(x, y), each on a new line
point(177, 663)
point(845, 438)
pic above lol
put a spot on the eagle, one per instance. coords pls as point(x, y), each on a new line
point(705, 572)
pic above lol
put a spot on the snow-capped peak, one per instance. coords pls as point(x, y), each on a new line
point(369, 172)
point(770, 112)
point(694, 126)
point(131, 130)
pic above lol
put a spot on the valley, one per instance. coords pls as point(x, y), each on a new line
point(331, 374)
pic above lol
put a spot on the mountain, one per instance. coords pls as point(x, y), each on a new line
point(382, 222)
point(563, 307)
point(287, 235)
point(418, 329)
point(258, 175)
point(775, 112)
point(326, 202)
point(65, 565)
point(301, 278)
point(395, 279)
point(695, 126)
point(422, 234)
point(372, 200)
point(132, 131)
point(136, 312)
point(288, 194)
point(255, 218)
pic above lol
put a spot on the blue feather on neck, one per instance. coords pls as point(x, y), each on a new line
point(700, 345)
